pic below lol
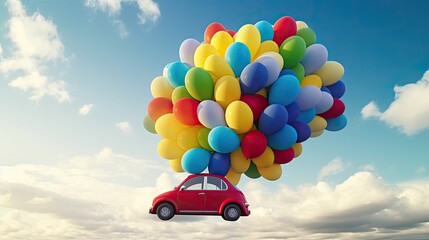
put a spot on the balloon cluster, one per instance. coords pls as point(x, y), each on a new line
point(243, 102)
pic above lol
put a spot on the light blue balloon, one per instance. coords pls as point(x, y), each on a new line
point(336, 124)
point(284, 90)
point(325, 103)
point(272, 119)
point(238, 56)
point(211, 114)
point(266, 30)
point(314, 58)
point(223, 139)
point(309, 96)
point(306, 115)
point(283, 139)
point(272, 67)
point(176, 73)
point(195, 160)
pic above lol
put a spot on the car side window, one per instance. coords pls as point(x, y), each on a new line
point(214, 183)
point(195, 183)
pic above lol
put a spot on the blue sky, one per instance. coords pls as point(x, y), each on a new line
point(56, 57)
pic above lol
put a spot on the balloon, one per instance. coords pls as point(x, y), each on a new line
point(223, 139)
point(266, 159)
point(274, 55)
point(297, 149)
point(239, 117)
point(202, 52)
point(195, 160)
point(284, 90)
point(167, 126)
point(231, 32)
point(306, 115)
point(266, 30)
point(219, 164)
point(221, 41)
point(283, 156)
point(312, 80)
point(160, 87)
point(299, 71)
point(238, 56)
point(227, 90)
point(233, 177)
point(272, 119)
point(253, 144)
point(308, 35)
point(185, 111)
point(336, 124)
point(317, 124)
point(158, 107)
point(308, 97)
point(203, 138)
point(169, 149)
point(252, 171)
point(211, 29)
point(284, 28)
point(239, 162)
point(217, 67)
point(267, 46)
point(336, 110)
point(149, 125)
point(293, 112)
point(337, 89)
point(211, 114)
point(302, 129)
point(176, 165)
point(283, 139)
point(257, 104)
point(249, 35)
point(165, 70)
point(253, 78)
point(292, 51)
point(176, 73)
point(330, 73)
point(325, 103)
point(187, 51)
point(271, 173)
point(199, 84)
point(315, 57)
point(188, 137)
point(316, 134)
point(301, 24)
point(272, 68)
point(179, 93)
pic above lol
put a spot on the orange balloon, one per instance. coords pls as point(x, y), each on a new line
point(158, 107)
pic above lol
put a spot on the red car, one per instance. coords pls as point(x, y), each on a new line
point(202, 194)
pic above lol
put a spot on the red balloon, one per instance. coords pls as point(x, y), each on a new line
point(185, 111)
point(283, 156)
point(211, 29)
point(253, 143)
point(336, 110)
point(257, 104)
point(231, 32)
point(158, 107)
point(284, 28)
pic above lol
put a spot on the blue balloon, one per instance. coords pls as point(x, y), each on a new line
point(219, 164)
point(325, 89)
point(315, 57)
point(284, 91)
point(272, 119)
point(287, 72)
point(195, 160)
point(293, 112)
point(238, 56)
point(336, 124)
point(309, 96)
point(253, 78)
point(266, 30)
point(307, 115)
point(223, 139)
point(337, 89)
point(176, 73)
point(302, 129)
point(283, 139)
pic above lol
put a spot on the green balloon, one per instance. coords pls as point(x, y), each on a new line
point(203, 138)
point(292, 51)
point(199, 84)
point(252, 171)
point(308, 35)
point(179, 93)
point(299, 71)
point(149, 125)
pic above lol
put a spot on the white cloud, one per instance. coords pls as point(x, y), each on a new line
point(333, 167)
point(35, 44)
point(125, 127)
point(410, 109)
point(85, 109)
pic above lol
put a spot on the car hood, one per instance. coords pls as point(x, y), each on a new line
point(166, 194)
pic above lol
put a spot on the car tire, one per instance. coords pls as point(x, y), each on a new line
point(165, 211)
point(232, 212)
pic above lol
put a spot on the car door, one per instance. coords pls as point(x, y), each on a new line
point(191, 197)
point(215, 193)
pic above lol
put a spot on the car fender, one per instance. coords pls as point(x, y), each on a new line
point(228, 201)
point(162, 200)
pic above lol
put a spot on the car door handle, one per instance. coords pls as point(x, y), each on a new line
point(201, 193)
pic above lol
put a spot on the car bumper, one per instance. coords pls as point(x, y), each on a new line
point(150, 210)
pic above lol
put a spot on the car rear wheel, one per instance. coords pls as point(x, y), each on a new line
point(231, 212)
point(165, 211)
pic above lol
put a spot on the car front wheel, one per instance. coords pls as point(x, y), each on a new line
point(231, 212)
point(165, 211)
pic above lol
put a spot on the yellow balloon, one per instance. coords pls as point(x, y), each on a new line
point(276, 56)
point(176, 165)
point(311, 80)
point(218, 67)
point(169, 149)
point(160, 87)
point(188, 137)
point(233, 176)
point(297, 149)
point(239, 162)
point(266, 46)
point(263, 92)
point(272, 172)
point(266, 159)
point(250, 36)
point(301, 24)
point(239, 117)
point(167, 126)
point(318, 123)
point(330, 73)
point(227, 90)
point(201, 54)
point(221, 41)
point(316, 134)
